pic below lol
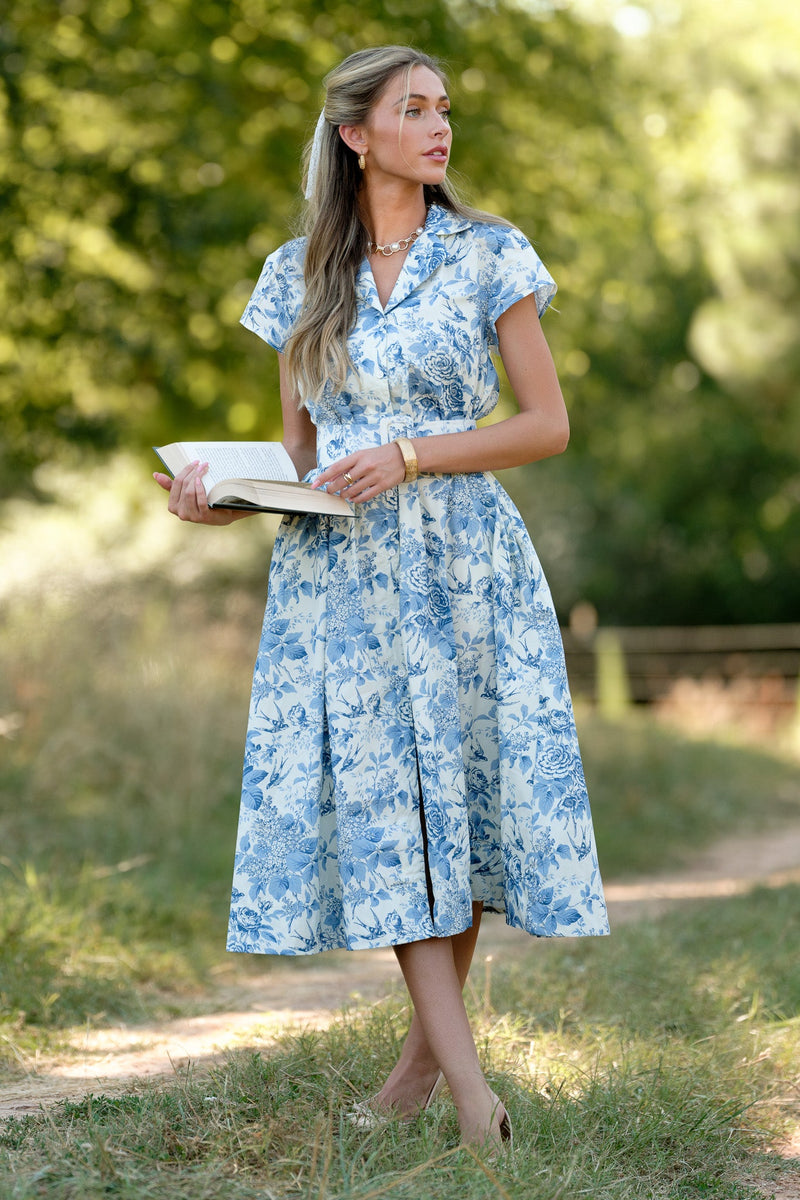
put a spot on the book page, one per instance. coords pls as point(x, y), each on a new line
point(282, 497)
point(241, 460)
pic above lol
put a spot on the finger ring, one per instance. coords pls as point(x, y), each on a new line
point(348, 478)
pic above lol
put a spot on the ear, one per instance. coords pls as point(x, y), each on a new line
point(354, 137)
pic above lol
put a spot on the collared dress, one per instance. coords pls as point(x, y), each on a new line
point(411, 745)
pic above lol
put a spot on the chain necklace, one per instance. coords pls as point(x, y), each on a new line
point(395, 247)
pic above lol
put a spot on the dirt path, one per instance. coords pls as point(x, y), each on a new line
point(309, 994)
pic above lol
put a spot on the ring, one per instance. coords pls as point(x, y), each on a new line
point(348, 478)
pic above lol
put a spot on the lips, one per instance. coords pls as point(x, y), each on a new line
point(439, 152)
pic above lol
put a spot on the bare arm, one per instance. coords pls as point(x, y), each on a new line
point(539, 430)
point(299, 434)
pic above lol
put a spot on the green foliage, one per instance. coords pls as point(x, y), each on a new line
point(692, 495)
point(679, 499)
point(150, 159)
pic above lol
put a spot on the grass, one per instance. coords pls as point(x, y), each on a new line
point(652, 1064)
point(119, 800)
point(120, 794)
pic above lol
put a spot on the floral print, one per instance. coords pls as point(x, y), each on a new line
point(411, 744)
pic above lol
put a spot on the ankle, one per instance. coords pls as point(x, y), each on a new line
point(485, 1125)
point(414, 1071)
point(479, 1111)
point(469, 1090)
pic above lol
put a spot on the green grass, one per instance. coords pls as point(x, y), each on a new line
point(119, 799)
point(659, 796)
point(653, 1064)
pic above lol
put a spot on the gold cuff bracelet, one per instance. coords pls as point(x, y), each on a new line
point(409, 458)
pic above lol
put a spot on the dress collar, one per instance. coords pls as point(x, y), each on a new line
point(426, 255)
point(441, 222)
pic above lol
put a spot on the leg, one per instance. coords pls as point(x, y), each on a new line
point(411, 1080)
point(430, 973)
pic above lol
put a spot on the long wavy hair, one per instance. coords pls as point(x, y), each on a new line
point(337, 239)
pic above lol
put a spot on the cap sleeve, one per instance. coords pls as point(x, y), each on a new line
point(277, 298)
point(519, 272)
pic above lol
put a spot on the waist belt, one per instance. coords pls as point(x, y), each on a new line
point(335, 441)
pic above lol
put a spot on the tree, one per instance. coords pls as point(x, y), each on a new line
point(151, 160)
point(682, 477)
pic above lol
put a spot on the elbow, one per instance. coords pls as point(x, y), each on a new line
point(547, 439)
point(560, 437)
point(553, 426)
point(547, 434)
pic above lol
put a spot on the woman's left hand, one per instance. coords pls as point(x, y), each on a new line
point(365, 474)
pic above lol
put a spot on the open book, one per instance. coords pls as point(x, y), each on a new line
point(252, 475)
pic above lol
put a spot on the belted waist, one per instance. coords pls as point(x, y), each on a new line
point(335, 441)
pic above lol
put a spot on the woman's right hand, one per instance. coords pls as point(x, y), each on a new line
point(187, 497)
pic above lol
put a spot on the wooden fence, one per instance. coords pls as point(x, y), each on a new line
point(641, 664)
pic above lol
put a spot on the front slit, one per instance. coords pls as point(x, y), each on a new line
point(424, 831)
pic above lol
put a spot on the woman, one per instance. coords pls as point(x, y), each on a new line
point(411, 756)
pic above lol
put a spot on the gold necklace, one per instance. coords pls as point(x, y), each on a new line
point(395, 247)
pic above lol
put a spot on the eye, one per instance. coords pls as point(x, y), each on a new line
point(445, 112)
point(412, 112)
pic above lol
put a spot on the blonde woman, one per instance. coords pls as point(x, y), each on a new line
point(411, 756)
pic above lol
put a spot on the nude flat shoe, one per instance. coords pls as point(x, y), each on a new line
point(506, 1130)
point(438, 1084)
point(365, 1116)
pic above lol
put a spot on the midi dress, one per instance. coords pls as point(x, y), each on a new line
point(411, 745)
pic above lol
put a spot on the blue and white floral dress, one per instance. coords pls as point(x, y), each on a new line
point(411, 744)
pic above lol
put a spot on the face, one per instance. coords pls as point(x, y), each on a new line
point(409, 137)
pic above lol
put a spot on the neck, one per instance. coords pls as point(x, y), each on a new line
point(391, 212)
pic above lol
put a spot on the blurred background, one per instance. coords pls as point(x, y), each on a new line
point(149, 160)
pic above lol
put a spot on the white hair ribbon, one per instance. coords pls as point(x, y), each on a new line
point(316, 151)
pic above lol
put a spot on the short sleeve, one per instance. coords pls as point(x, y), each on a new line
point(277, 298)
point(519, 272)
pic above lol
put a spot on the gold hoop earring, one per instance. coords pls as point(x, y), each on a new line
point(362, 162)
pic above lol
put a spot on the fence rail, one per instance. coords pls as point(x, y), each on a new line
point(646, 662)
